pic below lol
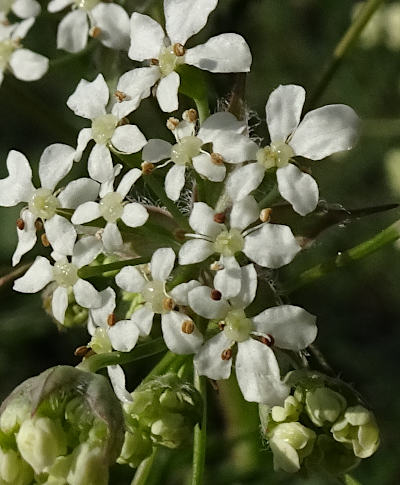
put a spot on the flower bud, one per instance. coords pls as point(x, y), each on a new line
point(89, 466)
point(289, 412)
point(137, 446)
point(324, 405)
point(13, 469)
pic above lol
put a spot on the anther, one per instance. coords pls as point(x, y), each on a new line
point(219, 217)
point(123, 121)
point(147, 168)
point(44, 240)
point(190, 115)
point(267, 340)
point(179, 50)
point(216, 266)
point(217, 158)
point(188, 326)
point(216, 295)
point(20, 224)
point(154, 62)
point(172, 123)
point(82, 351)
point(226, 354)
point(221, 324)
point(94, 32)
point(38, 224)
point(120, 96)
point(265, 215)
point(111, 320)
point(168, 304)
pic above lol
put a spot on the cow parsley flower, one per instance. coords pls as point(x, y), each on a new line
point(322, 132)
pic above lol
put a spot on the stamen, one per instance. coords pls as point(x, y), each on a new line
point(172, 123)
point(217, 159)
point(215, 295)
point(154, 62)
point(82, 351)
point(220, 217)
point(94, 32)
point(188, 326)
point(20, 224)
point(120, 96)
point(221, 324)
point(168, 304)
point(216, 266)
point(226, 354)
point(44, 240)
point(265, 214)
point(147, 168)
point(111, 320)
point(268, 340)
point(190, 115)
point(179, 50)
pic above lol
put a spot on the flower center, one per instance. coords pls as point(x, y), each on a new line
point(277, 155)
point(187, 148)
point(237, 326)
point(111, 207)
point(7, 47)
point(65, 274)
point(43, 203)
point(228, 243)
point(86, 4)
point(168, 60)
point(103, 128)
point(154, 294)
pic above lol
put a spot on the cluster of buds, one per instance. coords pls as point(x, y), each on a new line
point(322, 426)
point(63, 427)
point(163, 412)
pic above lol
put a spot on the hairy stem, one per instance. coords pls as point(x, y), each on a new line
point(200, 434)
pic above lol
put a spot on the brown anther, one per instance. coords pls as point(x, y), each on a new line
point(120, 96)
point(190, 115)
point(44, 240)
point(154, 62)
point(221, 325)
point(216, 266)
point(217, 158)
point(172, 123)
point(168, 304)
point(111, 320)
point(226, 354)
point(82, 351)
point(20, 224)
point(147, 168)
point(265, 214)
point(123, 121)
point(180, 234)
point(215, 295)
point(267, 340)
point(179, 49)
point(94, 32)
point(188, 326)
point(219, 217)
point(38, 224)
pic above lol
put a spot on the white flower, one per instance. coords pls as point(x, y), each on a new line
point(65, 275)
point(269, 245)
point(112, 208)
point(89, 100)
point(229, 145)
point(21, 8)
point(107, 22)
point(180, 333)
point(257, 370)
point(23, 63)
point(55, 163)
point(183, 19)
point(323, 131)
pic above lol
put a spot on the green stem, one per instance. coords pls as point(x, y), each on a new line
point(200, 434)
point(164, 364)
point(202, 108)
point(387, 236)
point(89, 271)
point(343, 47)
point(143, 470)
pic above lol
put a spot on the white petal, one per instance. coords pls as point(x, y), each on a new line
point(36, 278)
point(117, 378)
point(147, 37)
point(127, 181)
point(143, 318)
point(123, 335)
point(73, 30)
point(204, 166)
point(184, 19)
point(134, 215)
point(89, 98)
point(326, 130)
point(235, 148)
point(86, 294)
point(208, 361)
point(108, 186)
point(25, 8)
point(244, 180)
point(27, 65)
point(86, 212)
point(195, 251)
point(111, 237)
point(175, 181)
point(248, 287)
point(228, 280)
point(167, 92)
point(59, 303)
point(130, 279)
point(99, 315)
point(298, 188)
point(202, 220)
point(258, 374)
point(176, 340)
point(84, 136)
point(17, 187)
point(156, 150)
point(162, 263)
point(61, 234)
point(86, 250)
point(78, 192)
point(201, 303)
point(180, 293)
point(283, 110)
point(26, 236)
point(128, 139)
point(17, 30)
point(100, 166)
point(222, 53)
point(135, 85)
point(271, 246)
point(57, 5)
point(291, 327)
point(55, 163)
point(244, 212)
point(218, 123)
point(113, 22)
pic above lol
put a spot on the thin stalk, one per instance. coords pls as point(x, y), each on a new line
point(143, 470)
point(89, 271)
point(200, 434)
point(387, 236)
point(343, 47)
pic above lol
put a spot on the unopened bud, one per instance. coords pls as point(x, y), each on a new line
point(217, 159)
point(179, 50)
point(147, 168)
point(265, 215)
point(190, 115)
point(324, 405)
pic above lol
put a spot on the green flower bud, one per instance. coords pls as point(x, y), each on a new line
point(89, 466)
point(137, 446)
point(289, 412)
point(13, 469)
point(100, 342)
point(358, 428)
point(324, 405)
